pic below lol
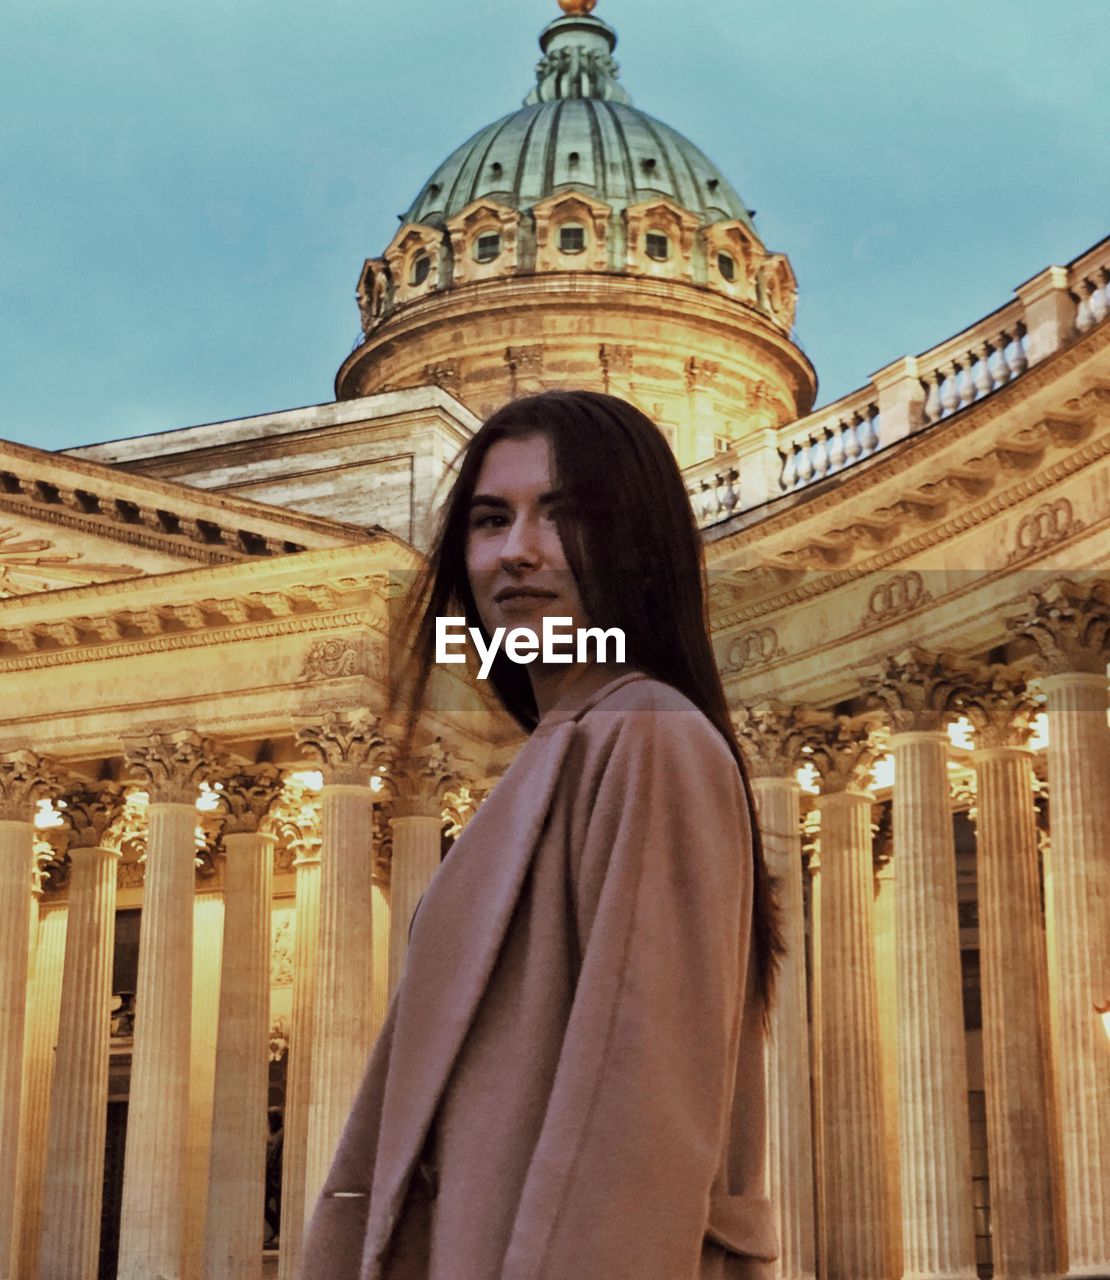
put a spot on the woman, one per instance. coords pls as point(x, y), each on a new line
point(568, 1085)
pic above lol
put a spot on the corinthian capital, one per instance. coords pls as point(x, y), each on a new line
point(171, 766)
point(771, 737)
point(347, 744)
point(89, 810)
point(843, 752)
point(1000, 709)
point(246, 793)
point(25, 777)
point(917, 690)
point(1069, 622)
point(419, 781)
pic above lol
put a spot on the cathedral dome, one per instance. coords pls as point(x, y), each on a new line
point(610, 149)
point(580, 241)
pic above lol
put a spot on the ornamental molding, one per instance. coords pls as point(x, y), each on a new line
point(139, 524)
point(338, 656)
point(928, 502)
point(899, 594)
point(299, 625)
point(831, 581)
point(938, 438)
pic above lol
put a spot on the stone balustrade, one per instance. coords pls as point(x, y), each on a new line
point(1053, 309)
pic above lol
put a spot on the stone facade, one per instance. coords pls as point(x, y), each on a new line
point(910, 608)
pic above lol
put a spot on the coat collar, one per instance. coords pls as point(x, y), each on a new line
point(452, 953)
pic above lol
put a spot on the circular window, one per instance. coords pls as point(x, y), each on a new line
point(421, 268)
point(572, 238)
point(658, 246)
point(726, 265)
point(487, 247)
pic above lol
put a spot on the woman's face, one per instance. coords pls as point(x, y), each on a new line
point(514, 556)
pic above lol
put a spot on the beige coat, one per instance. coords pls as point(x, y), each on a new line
point(552, 1095)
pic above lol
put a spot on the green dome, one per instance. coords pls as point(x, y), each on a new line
point(578, 131)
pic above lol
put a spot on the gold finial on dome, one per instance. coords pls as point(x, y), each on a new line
point(577, 6)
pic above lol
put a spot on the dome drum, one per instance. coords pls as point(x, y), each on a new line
point(656, 238)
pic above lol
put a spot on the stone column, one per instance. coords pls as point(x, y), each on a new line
point(24, 777)
point(43, 1009)
point(170, 766)
point(886, 991)
point(74, 1183)
point(857, 1238)
point(771, 738)
point(237, 1169)
point(938, 1231)
point(208, 942)
point(348, 747)
point(302, 1022)
point(1015, 983)
point(418, 784)
point(1070, 624)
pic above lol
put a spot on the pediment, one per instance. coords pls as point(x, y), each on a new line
point(67, 522)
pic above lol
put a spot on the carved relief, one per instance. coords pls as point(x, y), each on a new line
point(246, 793)
point(901, 593)
point(340, 656)
point(24, 569)
point(281, 949)
point(89, 810)
point(418, 782)
point(1000, 708)
point(753, 648)
point(843, 752)
point(25, 776)
point(1047, 526)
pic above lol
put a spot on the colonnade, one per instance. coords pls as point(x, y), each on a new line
point(1046, 1059)
point(867, 1073)
point(194, 1170)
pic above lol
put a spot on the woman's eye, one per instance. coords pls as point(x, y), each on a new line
point(491, 520)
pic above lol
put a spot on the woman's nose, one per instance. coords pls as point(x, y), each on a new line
point(521, 544)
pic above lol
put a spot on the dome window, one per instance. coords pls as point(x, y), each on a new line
point(420, 270)
point(573, 157)
point(572, 238)
point(648, 165)
point(657, 245)
point(726, 265)
point(487, 247)
point(495, 169)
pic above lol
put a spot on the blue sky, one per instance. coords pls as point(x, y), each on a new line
point(188, 191)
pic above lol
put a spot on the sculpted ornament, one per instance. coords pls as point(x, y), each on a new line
point(843, 752)
point(918, 690)
point(25, 777)
point(1069, 622)
point(281, 950)
point(246, 793)
point(171, 766)
point(418, 782)
point(343, 656)
point(348, 745)
point(1000, 708)
point(459, 806)
point(772, 737)
point(89, 812)
point(1047, 526)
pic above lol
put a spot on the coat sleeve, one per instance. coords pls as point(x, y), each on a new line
point(619, 1182)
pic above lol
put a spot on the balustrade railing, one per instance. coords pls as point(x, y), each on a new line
point(1053, 309)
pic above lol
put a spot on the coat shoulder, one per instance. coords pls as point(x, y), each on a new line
point(651, 709)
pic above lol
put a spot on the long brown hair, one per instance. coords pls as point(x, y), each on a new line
point(632, 542)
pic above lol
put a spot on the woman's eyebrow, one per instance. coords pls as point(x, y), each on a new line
point(493, 500)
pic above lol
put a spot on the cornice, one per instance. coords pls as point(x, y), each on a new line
point(213, 620)
point(1093, 452)
point(830, 495)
